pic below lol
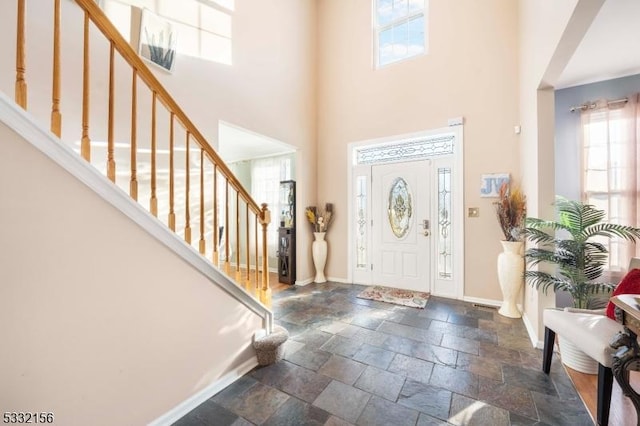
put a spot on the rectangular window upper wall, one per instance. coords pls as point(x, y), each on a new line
point(610, 172)
point(399, 30)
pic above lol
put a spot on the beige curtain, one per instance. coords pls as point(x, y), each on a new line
point(610, 181)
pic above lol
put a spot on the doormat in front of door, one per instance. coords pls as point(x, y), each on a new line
point(413, 299)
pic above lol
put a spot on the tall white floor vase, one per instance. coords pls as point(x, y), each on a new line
point(510, 270)
point(319, 253)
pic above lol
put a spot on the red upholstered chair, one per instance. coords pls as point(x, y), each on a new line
point(630, 284)
point(590, 331)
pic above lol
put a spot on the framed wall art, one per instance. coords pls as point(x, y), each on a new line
point(158, 40)
point(491, 183)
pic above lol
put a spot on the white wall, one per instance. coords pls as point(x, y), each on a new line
point(471, 70)
point(102, 324)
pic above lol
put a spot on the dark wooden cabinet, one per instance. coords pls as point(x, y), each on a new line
point(287, 255)
point(287, 233)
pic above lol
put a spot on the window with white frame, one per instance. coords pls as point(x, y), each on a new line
point(610, 170)
point(266, 174)
point(399, 29)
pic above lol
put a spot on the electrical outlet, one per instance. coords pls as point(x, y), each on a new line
point(474, 211)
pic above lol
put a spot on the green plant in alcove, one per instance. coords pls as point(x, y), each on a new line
point(579, 260)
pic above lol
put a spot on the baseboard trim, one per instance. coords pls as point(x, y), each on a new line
point(308, 281)
point(198, 398)
point(481, 301)
point(304, 282)
point(538, 344)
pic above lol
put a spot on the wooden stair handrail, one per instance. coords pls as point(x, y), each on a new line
point(93, 14)
point(105, 26)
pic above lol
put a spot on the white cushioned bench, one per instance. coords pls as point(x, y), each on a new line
point(590, 331)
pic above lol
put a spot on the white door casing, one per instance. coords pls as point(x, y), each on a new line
point(443, 266)
point(400, 226)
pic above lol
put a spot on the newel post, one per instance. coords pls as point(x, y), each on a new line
point(265, 220)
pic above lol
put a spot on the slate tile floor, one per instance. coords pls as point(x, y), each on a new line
point(360, 362)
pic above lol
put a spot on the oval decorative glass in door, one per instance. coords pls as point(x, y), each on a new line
point(400, 208)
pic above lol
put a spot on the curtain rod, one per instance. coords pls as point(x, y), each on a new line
point(592, 104)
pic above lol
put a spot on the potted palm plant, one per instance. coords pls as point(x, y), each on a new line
point(570, 245)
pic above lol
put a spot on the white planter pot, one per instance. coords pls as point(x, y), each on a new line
point(319, 254)
point(510, 270)
point(574, 358)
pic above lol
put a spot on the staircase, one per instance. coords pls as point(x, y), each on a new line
point(148, 258)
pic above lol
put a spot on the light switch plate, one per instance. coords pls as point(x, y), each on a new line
point(474, 211)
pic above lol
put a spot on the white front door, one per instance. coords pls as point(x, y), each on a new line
point(401, 225)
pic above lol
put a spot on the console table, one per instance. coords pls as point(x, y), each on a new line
point(627, 355)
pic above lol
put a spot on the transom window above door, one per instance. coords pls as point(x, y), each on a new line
point(399, 27)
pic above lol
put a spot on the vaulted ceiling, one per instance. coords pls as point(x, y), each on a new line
point(611, 47)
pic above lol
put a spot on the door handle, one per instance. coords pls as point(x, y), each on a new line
point(425, 227)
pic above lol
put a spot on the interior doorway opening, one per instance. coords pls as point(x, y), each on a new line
point(260, 163)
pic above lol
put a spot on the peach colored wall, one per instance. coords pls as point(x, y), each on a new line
point(471, 70)
point(270, 88)
point(102, 324)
